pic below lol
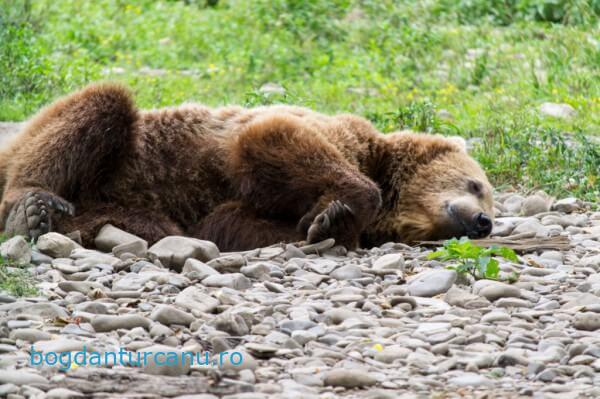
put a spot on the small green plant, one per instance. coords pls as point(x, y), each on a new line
point(419, 116)
point(16, 281)
point(472, 259)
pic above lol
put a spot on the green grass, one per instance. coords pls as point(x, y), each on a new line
point(16, 281)
point(395, 62)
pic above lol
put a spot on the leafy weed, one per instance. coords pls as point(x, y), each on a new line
point(474, 260)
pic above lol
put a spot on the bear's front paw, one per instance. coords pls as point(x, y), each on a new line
point(31, 216)
point(337, 222)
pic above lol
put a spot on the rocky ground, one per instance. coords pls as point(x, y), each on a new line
point(311, 321)
point(8, 130)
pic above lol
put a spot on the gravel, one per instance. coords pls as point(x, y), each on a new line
point(312, 321)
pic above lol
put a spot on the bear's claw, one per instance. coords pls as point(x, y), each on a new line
point(31, 216)
point(334, 222)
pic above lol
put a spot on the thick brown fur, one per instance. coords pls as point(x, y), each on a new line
point(240, 177)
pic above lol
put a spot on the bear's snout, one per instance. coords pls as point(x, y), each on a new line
point(482, 224)
point(469, 219)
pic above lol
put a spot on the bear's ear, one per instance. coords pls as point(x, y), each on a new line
point(458, 141)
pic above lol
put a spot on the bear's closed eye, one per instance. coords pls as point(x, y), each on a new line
point(475, 187)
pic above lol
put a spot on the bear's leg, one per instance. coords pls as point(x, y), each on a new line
point(286, 170)
point(234, 226)
point(70, 149)
point(146, 224)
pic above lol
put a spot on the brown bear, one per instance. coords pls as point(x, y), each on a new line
point(242, 178)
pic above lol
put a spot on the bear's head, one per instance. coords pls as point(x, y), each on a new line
point(431, 189)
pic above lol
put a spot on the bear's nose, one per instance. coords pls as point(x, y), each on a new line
point(483, 224)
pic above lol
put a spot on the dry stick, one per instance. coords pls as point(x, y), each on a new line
point(558, 243)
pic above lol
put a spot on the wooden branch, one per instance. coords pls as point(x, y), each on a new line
point(523, 245)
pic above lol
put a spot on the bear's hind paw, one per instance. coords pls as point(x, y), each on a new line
point(31, 216)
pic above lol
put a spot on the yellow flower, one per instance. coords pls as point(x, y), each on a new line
point(448, 90)
point(378, 347)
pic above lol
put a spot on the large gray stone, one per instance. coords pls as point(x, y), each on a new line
point(590, 261)
point(44, 310)
point(514, 203)
point(16, 250)
point(56, 245)
point(348, 272)
point(389, 262)
point(168, 315)
point(110, 236)
point(558, 110)
point(63, 393)
point(228, 263)
point(231, 323)
point(349, 378)
point(138, 248)
point(493, 290)
point(173, 251)
point(589, 321)
point(21, 377)
point(271, 88)
point(80, 286)
point(458, 297)
point(92, 257)
point(535, 204)
point(8, 130)
point(532, 226)
point(258, 270)
point(192, 298)
point(30, 335)
point(238, 360)
point(567, 205)
point(581, 300)
point(202, 269)
point(432, 282)
point(470, 379)
point(165, 360)
point(131, 281)
point(105, 323)
point(236, 281)
point(392, 353)
point(62, 344)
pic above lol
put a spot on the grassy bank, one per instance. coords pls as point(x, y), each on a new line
point(456, 67)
